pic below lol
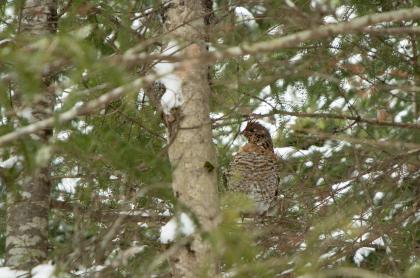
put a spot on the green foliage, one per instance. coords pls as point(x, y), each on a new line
point(345, 184)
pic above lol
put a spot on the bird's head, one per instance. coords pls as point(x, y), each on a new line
point(257, 134)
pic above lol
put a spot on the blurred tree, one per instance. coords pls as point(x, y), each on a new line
point(28, 197)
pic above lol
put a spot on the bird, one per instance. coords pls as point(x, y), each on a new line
point(254, 170)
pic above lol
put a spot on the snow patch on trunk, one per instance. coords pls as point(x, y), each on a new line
point(181, 225)
point(172, 97)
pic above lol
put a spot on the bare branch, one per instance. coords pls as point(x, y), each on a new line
point(104, 214)
point(339, 116)
point(411, 147)
point(347, 272)
point(393, 31)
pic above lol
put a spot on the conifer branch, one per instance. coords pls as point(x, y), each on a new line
point(76, 111)
point(320, 32)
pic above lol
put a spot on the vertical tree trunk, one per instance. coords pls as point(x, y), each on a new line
point(192, 152)
point(416, 72)
point(28, 205)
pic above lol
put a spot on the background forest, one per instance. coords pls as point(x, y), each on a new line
point(97, 85)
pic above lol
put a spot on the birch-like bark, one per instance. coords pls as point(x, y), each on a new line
point(191, 151)
point(28, 202)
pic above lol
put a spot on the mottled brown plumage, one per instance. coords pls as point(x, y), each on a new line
point(254, 169)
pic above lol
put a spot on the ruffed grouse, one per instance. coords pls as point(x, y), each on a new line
point(254, 169)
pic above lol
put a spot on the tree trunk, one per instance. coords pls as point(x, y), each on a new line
point(191, 152)
point(28, 203)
